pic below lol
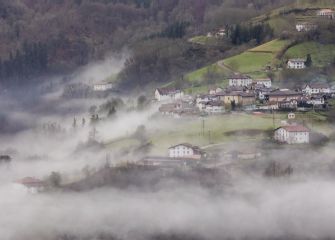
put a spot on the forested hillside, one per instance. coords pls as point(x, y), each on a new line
point(53, 36)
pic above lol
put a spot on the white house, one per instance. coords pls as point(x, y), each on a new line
point(292, 134)
point(166, 94)
point(221, 32)
point(214, 107)
point(296, 63)
point(185, 150)
point(102, 86)
point(202, 100)
point(263, 81)
point(328, 13)
point(305, 26)
point(240, 80)
point(316, 88)
point(316, 100)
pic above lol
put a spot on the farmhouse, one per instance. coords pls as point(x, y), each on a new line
point(288, 104)
point(215, 90)
point(167, 94)
point(292, 134)
point(305, 26)
point(221, 32)
point(262, 92)
point(202, 100)
point(283, 95)
point(31, 184)
point(216, 107)
point(247, 98)
point(229, 98)
point(185, 150)
point(316, 88)
point(296, 63)
point(263, 81)
point(178, 109)
point(328, 13)
point(240, 80)
point(102, 86)
point(316, 100)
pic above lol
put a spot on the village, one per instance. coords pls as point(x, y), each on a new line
point(278, 111)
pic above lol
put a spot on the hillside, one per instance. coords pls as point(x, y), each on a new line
point(269, 59)
point(253, 62)
point(322, 54)
point(59, 36)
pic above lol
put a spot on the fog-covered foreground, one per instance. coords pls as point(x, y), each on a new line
point(254, 210)
point(252, 207)
point(247, 206)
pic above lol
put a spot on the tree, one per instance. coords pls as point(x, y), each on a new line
point(92, 109)
point(141, 102)
point(55, 179)
point(141, 133)
point(111, 111)
point(74, 123)
point(275, 169)
point(309, 61)
point(233, 105)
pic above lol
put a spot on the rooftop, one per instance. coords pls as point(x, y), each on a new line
point(284, 93)
point(30, 181)
point(317, 85)
point(297, 60)
point(166, 91)
point(239, 76)
point(295, 128)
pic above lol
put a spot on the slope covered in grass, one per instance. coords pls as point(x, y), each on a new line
point(254, 61)
point(322, 54)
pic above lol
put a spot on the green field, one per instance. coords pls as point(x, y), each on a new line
point(214, 131)
point(250, 63)
point(321, 54)
point(199, 75)
point(254, 61)
point(200, 82)
point(217, 130)
point(273, 46)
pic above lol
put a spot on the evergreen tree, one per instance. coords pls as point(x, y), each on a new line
point(309, 61)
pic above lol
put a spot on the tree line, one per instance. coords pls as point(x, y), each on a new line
point(240, 34)
point(26, 62)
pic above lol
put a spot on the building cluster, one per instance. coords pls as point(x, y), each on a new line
point(243, 93)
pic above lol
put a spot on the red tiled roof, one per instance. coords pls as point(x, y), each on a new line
point(30, 181)
point(296, 128)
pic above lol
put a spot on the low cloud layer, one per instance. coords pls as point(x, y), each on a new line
point(250, 210)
